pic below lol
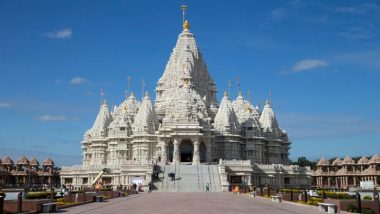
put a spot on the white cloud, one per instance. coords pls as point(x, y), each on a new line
point(64, 33)
point(280, 14)
point(308, 64)
point(360, 9)
point(357, 33)
point(47, 117)
point(5, 104)
point(79, 81)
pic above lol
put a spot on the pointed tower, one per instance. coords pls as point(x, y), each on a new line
point(248, 118)
point(119, 132)
point(247, 115)
point(185, 61)
point(99, 128)
point(226, 120)
point(131, 104)
point(227, 144)
point(143, 139)
point(94, 144)
point(277, 141)
point(268, 121)
point(145, 120)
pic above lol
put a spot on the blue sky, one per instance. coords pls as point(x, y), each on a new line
point(320, 58)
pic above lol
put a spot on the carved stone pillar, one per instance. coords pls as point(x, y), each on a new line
point(164, 152)
point(176, 151)
point(196, 159)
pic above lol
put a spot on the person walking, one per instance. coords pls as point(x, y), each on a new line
point(207, 188)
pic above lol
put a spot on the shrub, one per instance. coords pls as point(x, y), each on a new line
point(61, 200)
point(336, 195)
point(37, 195)
point(288, 190)
point(367, 197)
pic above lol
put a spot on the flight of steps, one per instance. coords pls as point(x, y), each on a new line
point(188, 178)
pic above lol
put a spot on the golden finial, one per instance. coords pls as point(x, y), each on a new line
point(240, 94)
point(225, 94)
point(186, 25)
point(146, 94)
point(132, 94)
point(105, 102)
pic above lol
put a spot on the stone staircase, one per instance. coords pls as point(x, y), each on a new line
point(188, 178)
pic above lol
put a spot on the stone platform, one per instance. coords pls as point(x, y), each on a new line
point(200, 202)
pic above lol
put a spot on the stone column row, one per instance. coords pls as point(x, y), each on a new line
point(176, 152)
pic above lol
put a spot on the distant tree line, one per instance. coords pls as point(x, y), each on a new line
point(303, 161)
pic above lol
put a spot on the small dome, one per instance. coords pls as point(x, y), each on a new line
point(374, 159)
point(22, 161)
point(34, 162)
point(363, 160)
point(48, 162)
point(348, 161)
point(323, 162)
point(7, 161)
point(336, 162)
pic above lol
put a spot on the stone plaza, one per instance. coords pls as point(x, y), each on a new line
point(168, 203)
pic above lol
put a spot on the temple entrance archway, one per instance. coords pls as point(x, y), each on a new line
point(186, 151)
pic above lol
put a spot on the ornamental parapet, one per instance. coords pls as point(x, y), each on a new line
point(236, 162)
point(77, 168)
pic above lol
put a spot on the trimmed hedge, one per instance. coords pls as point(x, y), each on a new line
point(336, 195)
point(288, 190)
point(38, 195)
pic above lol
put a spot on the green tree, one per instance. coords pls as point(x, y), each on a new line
point(303, 161)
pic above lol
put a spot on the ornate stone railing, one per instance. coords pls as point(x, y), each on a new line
point(235, 162)
point(123, 164)
point(135, 162)
point(281, 167)
point(89, 167)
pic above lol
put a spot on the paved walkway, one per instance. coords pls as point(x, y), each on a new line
point(191, 203)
